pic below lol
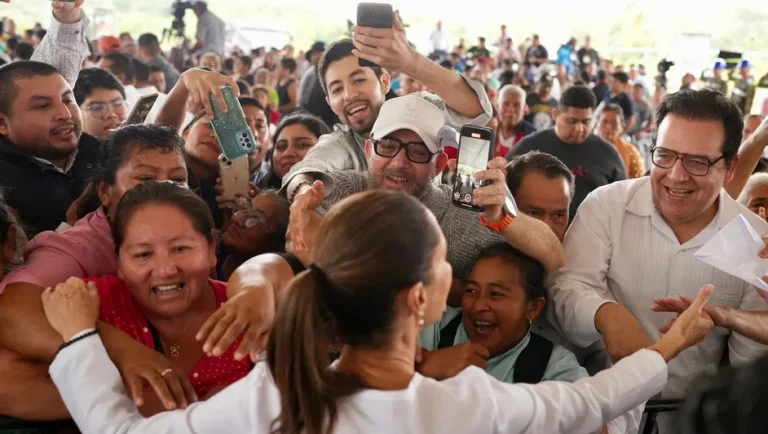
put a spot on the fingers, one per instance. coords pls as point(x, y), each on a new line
point(764, 253)
point(397, 25)
point(372, 41)
point(250, 342)
point(481, 351)
point(665, 328)
point(452, 164)
point(218, 331)
point(761, 213)
point(702, 298)
point(374, 32)
point(419, 356)
point(219, 95)
point(498, 163)
point(189, 391)
point(209, 324)
point(177, 391)
point(254, 190)
point(235, 329)
point(136, 390)
point(158, 384)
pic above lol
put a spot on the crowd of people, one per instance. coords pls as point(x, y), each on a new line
point(346, 292)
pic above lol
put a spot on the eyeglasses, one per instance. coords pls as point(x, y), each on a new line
point(695, 165)
point(253, 218)
point(101, 109)
point(416, 152)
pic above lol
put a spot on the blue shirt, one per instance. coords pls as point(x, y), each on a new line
point(562, 365)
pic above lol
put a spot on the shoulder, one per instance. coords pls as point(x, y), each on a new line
point(538, 139)
point(617, 195)
point(220, 289)
point(600, 144)
point(527, 127)
point(110, 288)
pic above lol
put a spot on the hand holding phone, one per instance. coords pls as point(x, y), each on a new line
point(141, 109)
point(235, 177)
point(475, 150)
point(235, 137)
point(380, 39)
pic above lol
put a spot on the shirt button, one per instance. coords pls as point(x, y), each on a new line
point(195, 375)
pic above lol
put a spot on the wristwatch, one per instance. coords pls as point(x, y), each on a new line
point(510, 212)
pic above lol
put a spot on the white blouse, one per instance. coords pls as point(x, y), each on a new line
point(471, 402)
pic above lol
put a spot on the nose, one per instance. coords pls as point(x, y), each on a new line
point(677, 172)
point(164, 266)
point(350, 93)
point(400, 160)
point(480, 304)
point(63, 113)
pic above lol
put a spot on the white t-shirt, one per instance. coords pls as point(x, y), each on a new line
point(471, 402)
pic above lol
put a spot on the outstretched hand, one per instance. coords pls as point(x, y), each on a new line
point(304, 221)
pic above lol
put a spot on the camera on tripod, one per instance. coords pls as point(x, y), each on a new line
point(663, 67)
point(178, 10)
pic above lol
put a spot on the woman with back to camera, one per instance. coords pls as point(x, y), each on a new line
point(352, 292)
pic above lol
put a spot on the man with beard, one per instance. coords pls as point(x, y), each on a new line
point(404, 153)
point(45, 162)
point(356, 95)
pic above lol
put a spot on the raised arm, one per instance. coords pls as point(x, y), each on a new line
point(749, 154)
point(198, 85)
point(390, 49)
point(64, 46)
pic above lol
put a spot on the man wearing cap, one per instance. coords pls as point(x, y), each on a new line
point(717, 82)
point(405, 152)
point(150, 52)
point(744, 87)
point(110, 44)
point(357, 93)
point(211, 30)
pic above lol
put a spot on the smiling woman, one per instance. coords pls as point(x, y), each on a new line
point(164, 238)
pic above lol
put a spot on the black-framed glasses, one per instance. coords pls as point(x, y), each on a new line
point(416, 152)
point(101, 109)
point(695, 165)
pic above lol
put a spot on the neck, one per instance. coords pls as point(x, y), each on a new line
point(61, 163)
point(199, 169)
point(508, 129)
point(686, 231)
point(388, 368)
point(175, 328)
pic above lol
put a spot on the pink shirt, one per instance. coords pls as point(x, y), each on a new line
point(86, 250)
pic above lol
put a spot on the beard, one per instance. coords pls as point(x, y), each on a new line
point(419, 186)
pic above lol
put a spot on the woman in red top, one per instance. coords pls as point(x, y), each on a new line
point(162, 294)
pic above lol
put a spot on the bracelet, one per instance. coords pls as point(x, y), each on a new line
point(79, 338)
point(297, 188)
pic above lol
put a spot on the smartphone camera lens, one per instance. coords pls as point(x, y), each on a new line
point(245, 135)
point(229, 163)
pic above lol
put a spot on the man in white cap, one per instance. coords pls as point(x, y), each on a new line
point(405, 151)
point(211, 30)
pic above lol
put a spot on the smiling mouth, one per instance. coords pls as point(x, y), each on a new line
point(484, 327)
point(168, 289)
point(678, 192)
point(63, 131)
point(356, 109)
point(396, 179)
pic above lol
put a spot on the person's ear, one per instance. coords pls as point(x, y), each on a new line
point(385, 81)
point(731, 169)
point(534, 308)
point(368, 149)
point(440, 162)
point(555, 113)
point(417, 301)
point(9, 249)
point(103, 190)
point(4, 124)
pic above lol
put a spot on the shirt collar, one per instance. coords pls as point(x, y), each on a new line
point(67, 165)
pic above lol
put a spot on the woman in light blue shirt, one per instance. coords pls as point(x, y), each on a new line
point(502, 298)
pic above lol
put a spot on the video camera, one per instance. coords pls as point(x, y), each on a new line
point(178, 10)
point(663, 67)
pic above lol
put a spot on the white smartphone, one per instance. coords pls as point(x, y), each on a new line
point(234, 176)
point(141, 109)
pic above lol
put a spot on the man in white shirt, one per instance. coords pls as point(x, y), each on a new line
point(634, 241)
point(211, 30)
point(438, 42)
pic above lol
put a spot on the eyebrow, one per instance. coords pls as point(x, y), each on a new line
point(492, 285)
point(147, 166)
point(172, 240)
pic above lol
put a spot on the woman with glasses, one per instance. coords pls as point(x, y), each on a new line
point(255, 230)
point(101, 98)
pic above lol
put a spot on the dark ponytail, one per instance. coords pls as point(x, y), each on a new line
point(348, 293)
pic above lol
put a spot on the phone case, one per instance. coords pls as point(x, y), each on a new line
point(376, 15)
point(464, 185)
point(142, 109)
point(234, 176)
point(235, 138)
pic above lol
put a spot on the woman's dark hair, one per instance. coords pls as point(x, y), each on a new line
point(348, 293)
point(709, 105)
point(532, 271)
point(118, 150)
point(8, 219)
point(313, 123)
point(243, 87)
point(162, 193)
point(733, 401)
point(247, 101)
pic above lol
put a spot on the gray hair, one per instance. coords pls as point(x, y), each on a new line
point(753, 181)
point(507, 88)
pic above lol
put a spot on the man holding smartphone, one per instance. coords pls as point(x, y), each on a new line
point(356, 94)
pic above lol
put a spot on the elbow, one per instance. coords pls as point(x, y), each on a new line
point(555, 258)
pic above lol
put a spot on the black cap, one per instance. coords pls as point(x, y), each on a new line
point(147, 40)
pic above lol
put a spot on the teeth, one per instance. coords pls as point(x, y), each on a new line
point(167, 288)
point(676, 192)
point(357, 108)
point(483, 323)
point(397, 178)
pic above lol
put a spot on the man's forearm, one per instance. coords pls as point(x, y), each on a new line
point(451, 87)
point(750, 324)
point(535, 239)
point(269, 274)
point(173, 111)
point(64, 47)
point(749, 154)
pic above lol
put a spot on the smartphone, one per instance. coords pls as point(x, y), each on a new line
point(377, 15)
point(235, 138)
point(234, 176)
point(475, 150)
point(141, 109)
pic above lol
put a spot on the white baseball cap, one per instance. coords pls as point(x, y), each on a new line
point(412, 113)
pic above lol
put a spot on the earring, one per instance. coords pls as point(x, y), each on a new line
point(530, 322)
point(421, 318)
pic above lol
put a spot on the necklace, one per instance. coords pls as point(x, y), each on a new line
point(159, 344)
point(175, 350)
